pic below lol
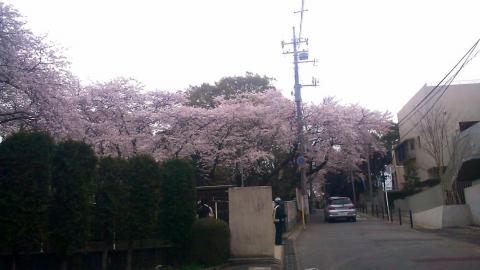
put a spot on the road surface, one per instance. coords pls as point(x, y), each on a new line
point(372, 243)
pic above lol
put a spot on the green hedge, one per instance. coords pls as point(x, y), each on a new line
point(177, 205)
point(210, 241)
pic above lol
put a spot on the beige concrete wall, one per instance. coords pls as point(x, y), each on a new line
point(251, 222)
point(443, 216)
point(459, 102)
point(431, 219)
point(427, 199)
point(456, 215)
point(472, 199)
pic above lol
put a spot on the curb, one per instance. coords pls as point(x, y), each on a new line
point(293, 234)
point(217, 267)
point(292, 237)
point(245, 261)
point(252, 260)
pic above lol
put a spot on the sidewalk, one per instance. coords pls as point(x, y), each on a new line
point(469, 234)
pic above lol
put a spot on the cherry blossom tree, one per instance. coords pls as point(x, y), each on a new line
point(255, 130)
point(248, 123)
point(34, 78)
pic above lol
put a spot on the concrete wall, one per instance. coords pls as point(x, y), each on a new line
point(291, 211)
point(472, 199)
point(425, 200)
point(456, 215)
point(422, 201)
point(443, 216)
point(431, 219)
point(251, 222)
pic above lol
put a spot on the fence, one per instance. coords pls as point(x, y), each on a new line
point(457, 193)
point(217, 198)
point(143, 258)
point(399, 216)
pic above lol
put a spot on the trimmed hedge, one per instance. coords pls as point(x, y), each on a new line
point(210, 241)
point(177, 205)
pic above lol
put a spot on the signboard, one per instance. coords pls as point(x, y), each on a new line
point(301, 161)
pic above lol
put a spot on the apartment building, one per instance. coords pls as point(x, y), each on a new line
point(429, 124)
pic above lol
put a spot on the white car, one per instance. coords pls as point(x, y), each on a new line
point(339, 208)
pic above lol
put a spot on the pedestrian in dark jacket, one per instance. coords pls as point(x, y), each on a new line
point(279, 220)
point(204, 210)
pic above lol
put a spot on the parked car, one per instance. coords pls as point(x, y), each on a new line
point(339, 208)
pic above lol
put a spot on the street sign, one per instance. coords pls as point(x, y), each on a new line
point(301, 161)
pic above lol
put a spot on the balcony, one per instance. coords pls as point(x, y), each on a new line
point(405, 151)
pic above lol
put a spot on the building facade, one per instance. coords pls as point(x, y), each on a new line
point(429, 124)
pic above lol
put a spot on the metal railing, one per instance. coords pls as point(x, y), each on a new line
point(399, 216)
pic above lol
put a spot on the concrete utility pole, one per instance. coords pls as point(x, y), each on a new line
point(370, 193)
point(300, 56)
point(353, 188)
point(386, 198)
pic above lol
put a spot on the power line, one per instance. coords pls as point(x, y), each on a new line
point(440, 83)
point(421, 103)
point(467, 60)
point(438, 98)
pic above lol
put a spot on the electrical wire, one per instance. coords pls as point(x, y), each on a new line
point(467, 60)
point(423, 101)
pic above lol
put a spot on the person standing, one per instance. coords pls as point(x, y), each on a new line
point(279, 220)
point(204, 210)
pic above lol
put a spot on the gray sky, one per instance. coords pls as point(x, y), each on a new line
point(377, 53)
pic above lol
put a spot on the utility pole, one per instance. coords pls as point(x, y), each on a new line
point(241, 175)
point(300, 56)
point(386, 198)
point(370, 193)
point(353, 188)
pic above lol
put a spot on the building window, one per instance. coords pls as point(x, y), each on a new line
point(466, 125)
point(412, 144)
point(418, 142)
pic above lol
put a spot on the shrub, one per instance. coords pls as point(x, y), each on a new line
point(25, 176)
point(72, 176)
point(210, 241)
point(177, 207)
point(141, 205)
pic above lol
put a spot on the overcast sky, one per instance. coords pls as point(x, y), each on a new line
point(377, 53)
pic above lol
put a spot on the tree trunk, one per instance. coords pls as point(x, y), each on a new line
point(129, 255)
point(64, 263)
point(105, 259)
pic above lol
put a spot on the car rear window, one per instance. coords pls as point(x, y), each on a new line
point(340, 201)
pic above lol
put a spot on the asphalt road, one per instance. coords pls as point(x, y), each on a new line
point(370, 244)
